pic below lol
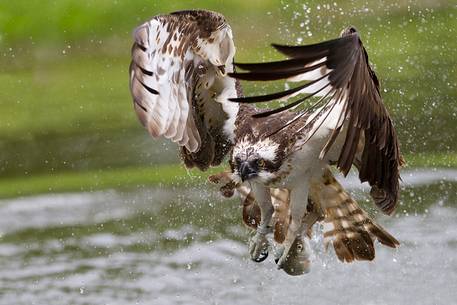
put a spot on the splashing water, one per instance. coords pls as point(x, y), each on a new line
point(188, 247)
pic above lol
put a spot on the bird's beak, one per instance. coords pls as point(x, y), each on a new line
point(247, 171)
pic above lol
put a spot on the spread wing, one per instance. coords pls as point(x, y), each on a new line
point(179, 85)
point(339, 74)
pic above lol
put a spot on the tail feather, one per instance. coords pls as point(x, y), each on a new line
point(349, 228)
point(381, 235)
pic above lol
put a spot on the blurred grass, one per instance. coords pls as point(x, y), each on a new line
point(58, 22)
point(65, 109)
point(62, 86)
point(87, 181)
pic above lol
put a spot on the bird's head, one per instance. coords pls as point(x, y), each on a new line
point(257, 160)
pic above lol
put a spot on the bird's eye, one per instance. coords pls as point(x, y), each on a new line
point(261, 162)
point(237, 160)
point(299, 248)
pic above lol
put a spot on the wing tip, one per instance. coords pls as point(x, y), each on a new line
point(349, 30)
point(281, 47)
point(386, 200)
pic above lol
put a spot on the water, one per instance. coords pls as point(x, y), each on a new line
point(173, 246)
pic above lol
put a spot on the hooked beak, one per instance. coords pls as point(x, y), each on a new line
point(247, 171)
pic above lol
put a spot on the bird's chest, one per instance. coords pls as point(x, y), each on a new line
point(299, 167)
point(280, 178)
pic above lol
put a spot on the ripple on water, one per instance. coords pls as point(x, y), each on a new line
point(119, 248)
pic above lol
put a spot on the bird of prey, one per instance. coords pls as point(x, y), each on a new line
point(184, 88)
point(346, 226)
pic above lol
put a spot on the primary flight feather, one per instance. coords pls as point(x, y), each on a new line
point(185, 88)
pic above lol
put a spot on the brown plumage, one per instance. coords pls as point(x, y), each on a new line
point(345, 77)
point(178, 85)
point(181, 89)
point(347, 226)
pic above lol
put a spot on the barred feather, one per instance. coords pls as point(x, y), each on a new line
point(347, 227)
point(179, 85)
point(339, 72)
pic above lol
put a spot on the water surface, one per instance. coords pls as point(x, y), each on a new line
point(177, 246)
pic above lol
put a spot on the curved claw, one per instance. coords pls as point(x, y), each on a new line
point(263, 256)
point(258, 248)
point(278, 253)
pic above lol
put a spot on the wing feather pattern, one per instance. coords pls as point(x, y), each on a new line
point(338, 70)
point(179, 85)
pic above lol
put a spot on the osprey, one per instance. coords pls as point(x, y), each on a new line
point(184, 88)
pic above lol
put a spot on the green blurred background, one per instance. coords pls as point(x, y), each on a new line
point(66, 117)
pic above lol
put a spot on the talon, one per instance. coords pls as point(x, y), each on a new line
point(281, 261)
point(279, 250)
point(214, 179)
point(278, 253)
point(258, 248)
point(228, 190)
point(263, 256)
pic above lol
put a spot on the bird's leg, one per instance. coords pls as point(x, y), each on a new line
point(298, 203)
point(258, 246)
